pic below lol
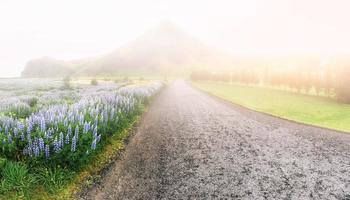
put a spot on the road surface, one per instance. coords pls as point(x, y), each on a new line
point(193, 146)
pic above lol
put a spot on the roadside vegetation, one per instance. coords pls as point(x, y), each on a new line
point(315, 110)
point(52, 139)
point(327, 81)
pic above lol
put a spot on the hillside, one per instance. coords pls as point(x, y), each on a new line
point(165, 49)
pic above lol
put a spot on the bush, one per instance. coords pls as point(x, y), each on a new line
point(94, 82)
point(126, 79)
point(67, 82)
point(32, 101)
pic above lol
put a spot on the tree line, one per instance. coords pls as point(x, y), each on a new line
point(332, 82)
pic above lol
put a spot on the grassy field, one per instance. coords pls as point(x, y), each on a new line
point(307, 109)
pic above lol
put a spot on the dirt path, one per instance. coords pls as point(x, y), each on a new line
point(192, 146)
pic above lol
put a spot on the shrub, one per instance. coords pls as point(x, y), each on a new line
point(94, 82)
point(32, 101)
point(67, 82)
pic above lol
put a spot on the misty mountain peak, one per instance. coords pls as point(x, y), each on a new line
point(164, 48)
point(167, 28)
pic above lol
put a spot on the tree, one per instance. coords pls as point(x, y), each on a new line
point(94, 82)
point(67, 82)
point(343, 87)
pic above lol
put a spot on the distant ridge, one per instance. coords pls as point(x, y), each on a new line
point(165, 49)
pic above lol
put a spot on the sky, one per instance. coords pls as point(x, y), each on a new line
point(73, 29)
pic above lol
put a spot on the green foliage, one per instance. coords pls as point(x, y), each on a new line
point(16, 178)
point(67, 82)
point(32, 101)
point(94, 82)
point(54, 179)
point(2, 165)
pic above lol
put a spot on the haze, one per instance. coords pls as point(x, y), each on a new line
point(78, 29)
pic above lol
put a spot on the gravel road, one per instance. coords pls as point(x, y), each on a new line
point(193, 146)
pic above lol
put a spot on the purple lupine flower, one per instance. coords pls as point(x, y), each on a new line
point(74, 144)
point(69, 130)
point(56, 146)
point(41, 144)
point(15, 132)
point(65, 123)
point(29, 150)
point(76, 133)
point(28, 130)
point(30, 126)
point(56, 125)
point(42, 124)
point(86, 127)
point(47, 151)
point(61, 140)
point(93, 144)
point(22, 137)
point(98, 138)
point(96, 121)
point(67, 138)
point(36, 150)
point(21, 127)
point(95, 132)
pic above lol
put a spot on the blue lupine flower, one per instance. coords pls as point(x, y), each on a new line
point(45, 123)
point(98, 138)
point(76, 133)
point(95, 131)
point(36, 150)
point(21, 127)
point(56, 146)
point(47, 151)
point(42, 125)
point(74, 144)
point(41, 144)
point(61, 140)
point(15, 132)
point(93, 144)
point(69, 130)
point(67, 138)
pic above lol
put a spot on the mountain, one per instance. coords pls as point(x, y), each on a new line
point(47, 67)
point(165, 49)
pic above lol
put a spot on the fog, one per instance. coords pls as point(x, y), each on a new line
point(78, 29)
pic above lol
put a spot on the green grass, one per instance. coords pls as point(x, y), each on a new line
point(319, 111)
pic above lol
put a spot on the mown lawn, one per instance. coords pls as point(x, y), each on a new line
point(319, 111)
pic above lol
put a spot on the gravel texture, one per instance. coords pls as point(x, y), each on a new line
point(193, 146)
